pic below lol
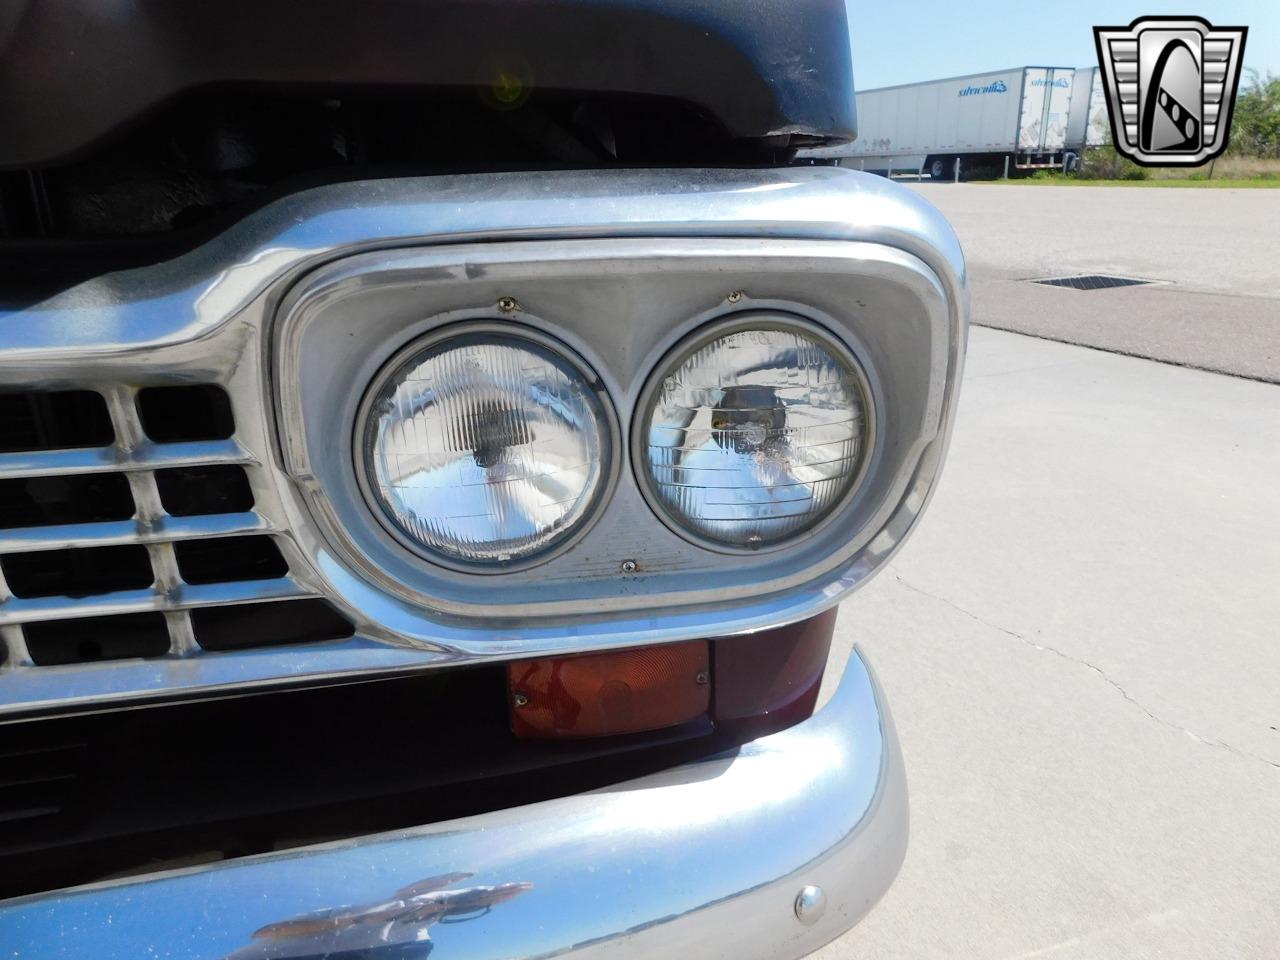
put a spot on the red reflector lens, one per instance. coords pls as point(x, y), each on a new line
point(770, 680)
point(602, 694)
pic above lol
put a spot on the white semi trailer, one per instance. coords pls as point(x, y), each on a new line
point(1021, 114)
point(1088, 124)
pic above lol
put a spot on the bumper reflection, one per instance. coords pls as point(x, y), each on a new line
point(396, 927)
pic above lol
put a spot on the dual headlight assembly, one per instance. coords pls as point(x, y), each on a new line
point(487, 444)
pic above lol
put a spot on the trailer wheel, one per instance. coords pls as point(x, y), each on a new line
point(937, 168)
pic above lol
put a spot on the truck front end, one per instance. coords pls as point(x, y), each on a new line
point(428, 478)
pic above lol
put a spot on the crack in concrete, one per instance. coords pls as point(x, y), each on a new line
point(1207, 741)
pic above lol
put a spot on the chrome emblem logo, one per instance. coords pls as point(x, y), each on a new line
point(1171, 83)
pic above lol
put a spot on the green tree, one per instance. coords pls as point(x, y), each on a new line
point(1255, 124)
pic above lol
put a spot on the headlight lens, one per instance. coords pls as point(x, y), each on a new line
point(756, 432)
point(485, 447)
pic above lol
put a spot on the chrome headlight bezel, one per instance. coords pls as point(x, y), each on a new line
point(622, 305)
point(606, 419)
point(762, 319)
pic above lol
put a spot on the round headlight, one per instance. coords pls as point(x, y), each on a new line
point(754, 431)
point(484, 446)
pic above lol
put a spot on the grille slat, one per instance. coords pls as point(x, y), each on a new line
point(120, 532)
point(60, 619)
point(147, 456)
point(249, 591)
point(126, 419)
point(185, 597)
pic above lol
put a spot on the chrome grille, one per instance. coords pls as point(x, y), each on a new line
point(72, 592)
point(605, 261)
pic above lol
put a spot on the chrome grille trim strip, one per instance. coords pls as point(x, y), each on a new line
point(109, 533)
point(240, 591)
point(144, 456)
point(181, 597)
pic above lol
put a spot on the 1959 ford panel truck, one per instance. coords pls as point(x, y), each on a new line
point(435, 436)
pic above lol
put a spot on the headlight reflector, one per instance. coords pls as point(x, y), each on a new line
point(754, 432)
point(485, 446)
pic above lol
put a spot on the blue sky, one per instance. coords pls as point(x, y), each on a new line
point(895, 42)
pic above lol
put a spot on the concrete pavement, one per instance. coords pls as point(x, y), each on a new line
point(1081, 648)
point(1216, 251)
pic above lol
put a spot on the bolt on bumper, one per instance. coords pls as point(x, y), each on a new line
point(766, 852)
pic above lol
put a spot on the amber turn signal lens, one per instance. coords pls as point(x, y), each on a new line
point(604, 694)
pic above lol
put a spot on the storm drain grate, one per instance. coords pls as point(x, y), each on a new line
point(1092, 281)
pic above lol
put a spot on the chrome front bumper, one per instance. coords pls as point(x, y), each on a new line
point(704, 860)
